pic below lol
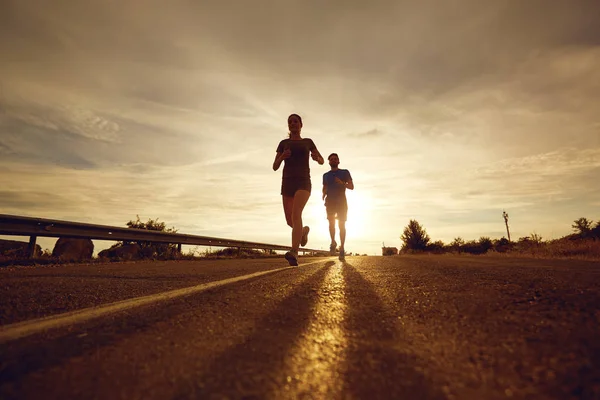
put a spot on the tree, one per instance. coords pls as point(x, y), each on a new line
point(502, 245)
point(472, 247)
point(535, 238)
point(596, 231)
point(485, 243)
point(582, 226)
point(436, 247)
point(150, 249)
point(414, 236)
point(457, 244)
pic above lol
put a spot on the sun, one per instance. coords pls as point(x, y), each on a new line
point(358, 225)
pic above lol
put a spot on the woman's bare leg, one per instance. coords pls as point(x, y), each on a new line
point(288, 205)
point(300, 200)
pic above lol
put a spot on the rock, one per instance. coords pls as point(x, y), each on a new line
point(73, 249)
point(16, 249)
point(122, 252)
point(104, 253)
point(128, 252)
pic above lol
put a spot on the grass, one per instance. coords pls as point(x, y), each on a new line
point(583, 249)
point(564, 248)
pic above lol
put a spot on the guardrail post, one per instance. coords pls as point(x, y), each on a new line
point(31, 247)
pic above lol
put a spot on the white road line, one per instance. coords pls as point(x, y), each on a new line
point(26, 328)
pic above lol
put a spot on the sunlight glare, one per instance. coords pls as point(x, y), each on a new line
point(360, 215)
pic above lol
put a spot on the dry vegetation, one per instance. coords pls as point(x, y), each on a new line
point(584, 243)
point(584, 249)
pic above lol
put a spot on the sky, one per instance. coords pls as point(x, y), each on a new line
point(444, 112)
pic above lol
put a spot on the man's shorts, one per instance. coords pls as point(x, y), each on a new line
point(289, 186)
point(336, 209)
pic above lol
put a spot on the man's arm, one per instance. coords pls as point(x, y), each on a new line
point(350, 184)
point(324, 191)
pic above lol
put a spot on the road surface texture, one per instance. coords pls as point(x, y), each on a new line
point(401, 327)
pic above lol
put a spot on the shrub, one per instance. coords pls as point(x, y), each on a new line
point(151, 249)
point(414, 237)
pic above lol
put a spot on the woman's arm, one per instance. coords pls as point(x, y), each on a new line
point(314, 153)
point(279, 157)
point(277, 162)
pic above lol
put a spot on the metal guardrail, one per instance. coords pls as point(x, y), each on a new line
point(33, 227)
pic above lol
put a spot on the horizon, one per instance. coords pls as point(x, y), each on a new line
point(47, 243)
point(448, 114)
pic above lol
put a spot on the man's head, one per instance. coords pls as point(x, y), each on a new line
point(334, 160)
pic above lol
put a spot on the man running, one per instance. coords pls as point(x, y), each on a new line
point(335, 183)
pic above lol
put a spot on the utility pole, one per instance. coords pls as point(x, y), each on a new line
point(505, 215)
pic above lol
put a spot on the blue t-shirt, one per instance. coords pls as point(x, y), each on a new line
point(336, 191)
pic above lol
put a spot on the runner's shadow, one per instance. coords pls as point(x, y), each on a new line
point(379, 362)
point(250, 369)
point(47, 349)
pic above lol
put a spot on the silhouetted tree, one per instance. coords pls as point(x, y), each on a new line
point(436, 247)
point(457, 244)
point(535, 238)
point(529, 242)
point(485, 243)
point(596, 230)
point(480, 246)
point(151, 249)
point(502, 245)
point(472, 247)
point(582, 227)
point(414, 236)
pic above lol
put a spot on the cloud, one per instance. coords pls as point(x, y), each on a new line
point(534, 181)
point(174, 111)
point(67, 119)
point(32, 202)
point(368, 134)
point(5, 149)
point(201, 198)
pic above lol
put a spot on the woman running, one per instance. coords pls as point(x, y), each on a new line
point(295, 184)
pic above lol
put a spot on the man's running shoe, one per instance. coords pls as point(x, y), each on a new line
point(342, 255)
point(292, 258)
point(304, 239)
point(332, 248)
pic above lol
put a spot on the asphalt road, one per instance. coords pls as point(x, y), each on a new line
point(411, 327)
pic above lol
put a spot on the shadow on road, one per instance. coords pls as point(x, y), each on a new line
point(46, 350)
point(379, 362)
point(250, 369)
